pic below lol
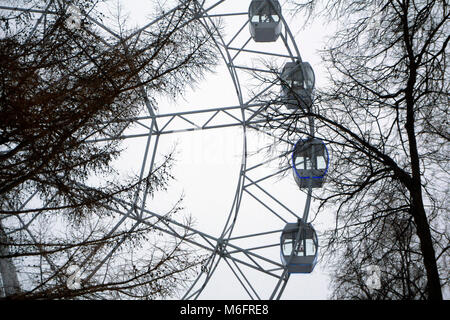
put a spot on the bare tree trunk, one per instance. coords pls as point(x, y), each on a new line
point(426, 246)
point(418, 209)
point(8, 272)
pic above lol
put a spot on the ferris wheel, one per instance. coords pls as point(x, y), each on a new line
point(252, 253)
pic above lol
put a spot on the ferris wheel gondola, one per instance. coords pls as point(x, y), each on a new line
point(264, 19)
point(299, 247)
point(310, 160)
point(297, 85)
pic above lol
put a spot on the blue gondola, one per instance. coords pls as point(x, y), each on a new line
point(310, 161)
